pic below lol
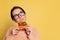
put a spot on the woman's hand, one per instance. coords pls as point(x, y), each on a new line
point(15, 31)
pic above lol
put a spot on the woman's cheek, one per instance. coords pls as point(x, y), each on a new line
point(23, 19)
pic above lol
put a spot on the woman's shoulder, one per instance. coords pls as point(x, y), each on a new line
point(11, 27)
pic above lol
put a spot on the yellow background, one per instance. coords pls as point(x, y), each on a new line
point(44, 15)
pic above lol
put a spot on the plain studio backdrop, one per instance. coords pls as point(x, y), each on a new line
point(44, 15)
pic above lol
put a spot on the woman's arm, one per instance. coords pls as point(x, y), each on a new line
point(35, 34)
point(8, 33)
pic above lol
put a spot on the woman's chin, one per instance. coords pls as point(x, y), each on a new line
point(20, 21)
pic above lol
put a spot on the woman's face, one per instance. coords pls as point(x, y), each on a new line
point(19, 15)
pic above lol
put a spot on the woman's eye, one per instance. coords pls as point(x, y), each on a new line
point(15, 15)
point(21, 12)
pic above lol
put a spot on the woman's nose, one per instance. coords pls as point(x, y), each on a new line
point(19, 16)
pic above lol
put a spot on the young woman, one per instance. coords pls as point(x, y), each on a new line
point(23, 31)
